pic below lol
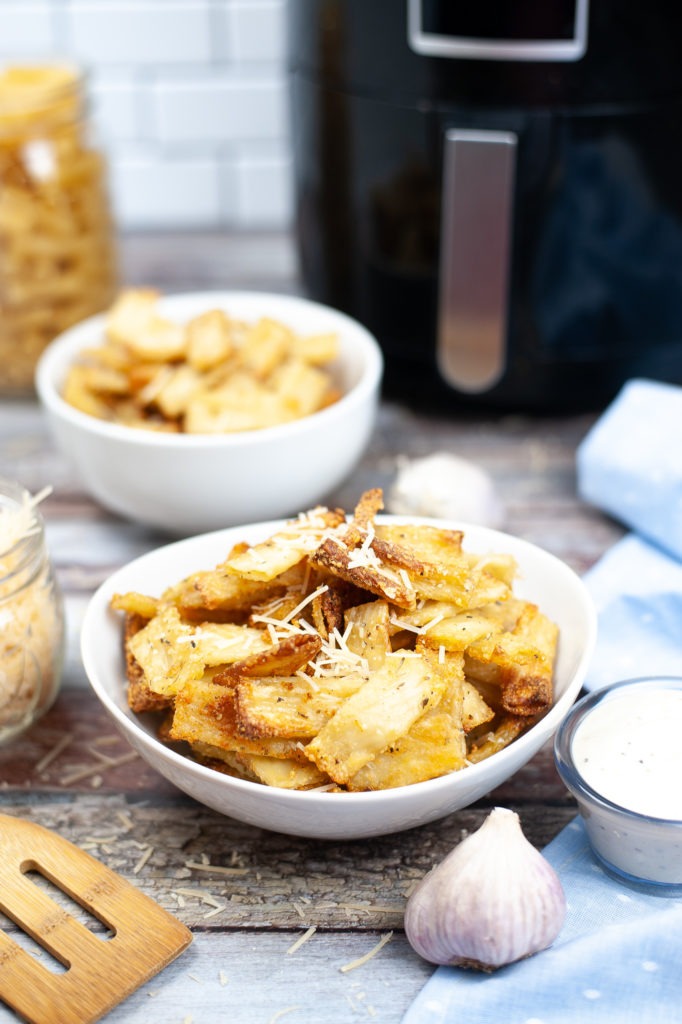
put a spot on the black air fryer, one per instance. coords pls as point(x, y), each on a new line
point(495, 190)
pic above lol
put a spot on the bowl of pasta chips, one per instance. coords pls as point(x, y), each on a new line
point(340, 674)
point(203, 410)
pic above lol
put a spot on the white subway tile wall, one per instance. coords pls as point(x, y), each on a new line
point(188, 99)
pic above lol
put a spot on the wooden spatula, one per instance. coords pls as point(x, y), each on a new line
point(101, 971)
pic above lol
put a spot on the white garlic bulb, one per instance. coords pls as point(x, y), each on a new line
point(493, 900)
point(447, 487)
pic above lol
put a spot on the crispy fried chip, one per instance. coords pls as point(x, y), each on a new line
point(507, 730)
point(330, 604)
point(283, 658)
point(475, 711)
point(204, 713)
point(270, 771)
point(286, 548)
point(520, 662)
point(434, 745)
point(437, 551)
point(364, 513)
point(209, 341)
point(292, 707)
point(365, 572)
point(140, 696)
point(381, 711)
point(135, 604)
point(369, 632)
point(216, 590)
point(171, 653)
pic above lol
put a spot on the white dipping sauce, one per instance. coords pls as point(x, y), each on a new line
point(629, 749)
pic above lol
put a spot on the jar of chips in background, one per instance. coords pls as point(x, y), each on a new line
point(57, 239)
point(32, 625)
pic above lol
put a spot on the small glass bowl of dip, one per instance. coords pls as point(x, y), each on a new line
point(619, 752)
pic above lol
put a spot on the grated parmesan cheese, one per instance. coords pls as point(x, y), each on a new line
point(126, 821)
point(306, 600)
point(334, 658)
point(53, 754)
point(31, 613)
point(80, 772)
point(401, 624)
point(368, 956)
point(364, 556)
point(216, 869)
point(143, 860)
point(301, 939)
point(280, 1013)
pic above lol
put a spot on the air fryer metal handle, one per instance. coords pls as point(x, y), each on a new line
point(476, 229)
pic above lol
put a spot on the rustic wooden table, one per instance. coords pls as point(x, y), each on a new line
point(74, 774)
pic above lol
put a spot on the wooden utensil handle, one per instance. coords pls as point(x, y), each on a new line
point(101, 970)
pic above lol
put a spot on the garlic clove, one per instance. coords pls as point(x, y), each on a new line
point(445, 486)
point(493, 900)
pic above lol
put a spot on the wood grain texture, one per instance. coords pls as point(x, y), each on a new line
point(191, 855)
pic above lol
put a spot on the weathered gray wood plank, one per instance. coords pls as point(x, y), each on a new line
point(209, 868)
point(252, 979)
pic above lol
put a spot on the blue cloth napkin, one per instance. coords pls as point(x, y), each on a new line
point(637, 590)
point(616, 960)
point(629, 465)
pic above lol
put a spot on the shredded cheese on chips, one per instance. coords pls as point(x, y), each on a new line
point(368, 658)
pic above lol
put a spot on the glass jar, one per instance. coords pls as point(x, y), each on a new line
point(57, 244)
point(32, 633)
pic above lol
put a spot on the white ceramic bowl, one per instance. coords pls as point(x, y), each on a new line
point(188, 484)
point(542, 577)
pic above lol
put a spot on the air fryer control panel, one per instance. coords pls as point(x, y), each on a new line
point(527, 30)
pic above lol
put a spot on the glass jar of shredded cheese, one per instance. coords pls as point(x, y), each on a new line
point(31, 614)
point(57, 250)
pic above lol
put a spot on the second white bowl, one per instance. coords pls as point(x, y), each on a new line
point(192, 483)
